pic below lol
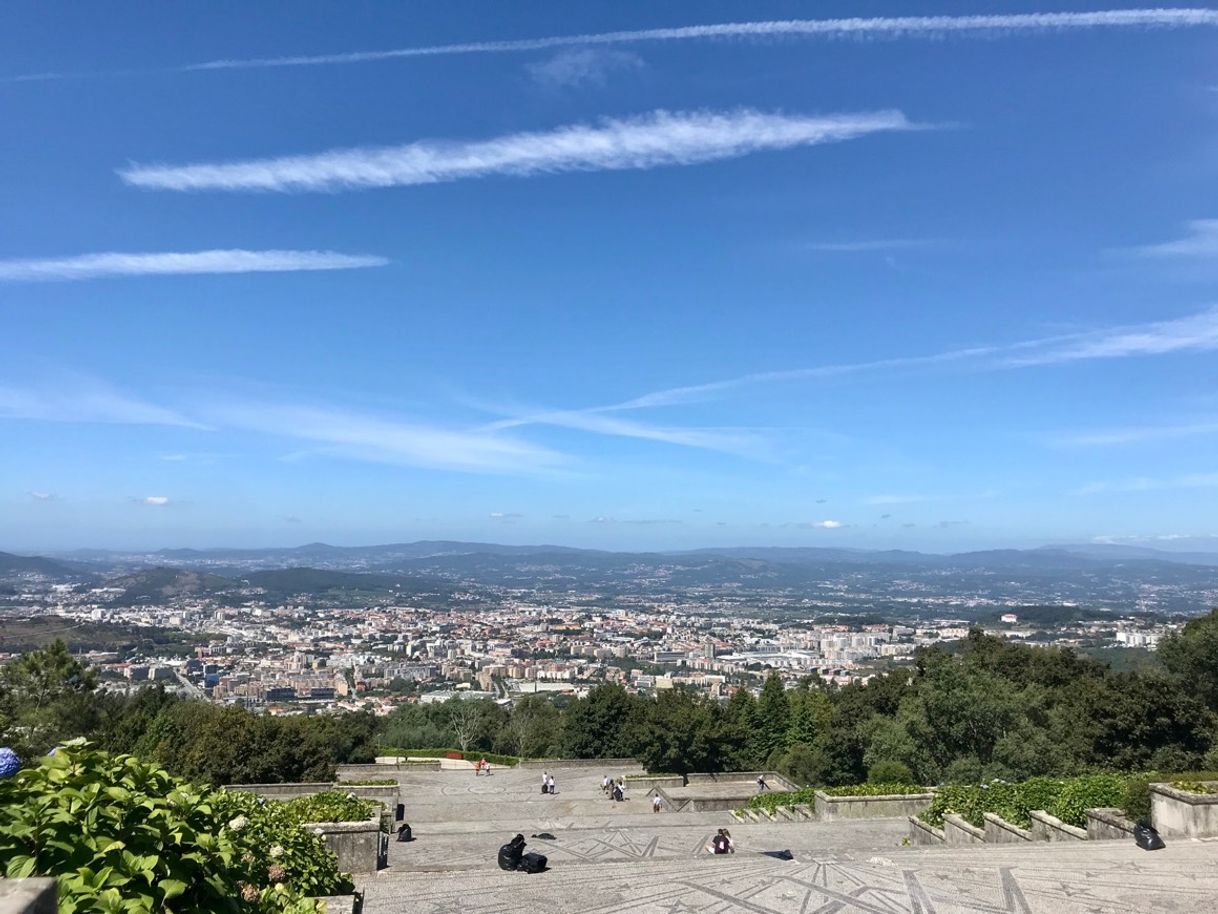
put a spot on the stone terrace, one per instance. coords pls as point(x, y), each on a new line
point(614, 858)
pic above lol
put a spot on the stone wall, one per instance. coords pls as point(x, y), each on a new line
point(28, 896)
point(957, 832)
point(922, 833)
point(360, 846)
point(775, 780)
point(284, 791)
point(999, 831)
point(648, 781)
point(829, 808)
point(1108, 825)
point(386, 765)
point(1178, 812)
point(1050, 828)
point(612, 766)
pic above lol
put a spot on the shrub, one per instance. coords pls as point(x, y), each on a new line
point(121, 834)
point(888, 771)
point(1087, 792)
point(771, 801)
point(889, 789)
point(329, 806)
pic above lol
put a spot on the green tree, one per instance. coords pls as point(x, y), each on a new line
point(684, 733)
point(45, 698)
point(605, 724)
point(773, 717)
point(1191, 656)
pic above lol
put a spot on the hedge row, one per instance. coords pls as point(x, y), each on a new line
point(770, 801)
point(1065, 798)
point(507, 761)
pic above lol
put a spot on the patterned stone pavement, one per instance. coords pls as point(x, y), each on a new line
point(618, 858)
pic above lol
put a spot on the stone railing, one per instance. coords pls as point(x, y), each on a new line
point(892, 806)
point(774, 780)
point(28, 896)
point(361, 847)
point(999, 831)
point(1108, 825)
point(1180, 812)
point(959, 833)
point(1050, 828)
point(612, 766)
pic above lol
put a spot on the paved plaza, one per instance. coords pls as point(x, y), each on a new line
point(614, 858)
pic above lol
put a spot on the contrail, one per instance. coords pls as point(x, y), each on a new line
point(649, 141)
point(886, 27)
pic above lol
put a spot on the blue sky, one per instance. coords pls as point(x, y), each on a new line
point(937, 284)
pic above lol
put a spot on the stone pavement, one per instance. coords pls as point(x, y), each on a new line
point(609, 860)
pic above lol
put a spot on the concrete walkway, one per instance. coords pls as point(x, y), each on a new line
point(606, 861)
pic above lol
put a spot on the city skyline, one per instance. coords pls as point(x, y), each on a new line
point(618, 279)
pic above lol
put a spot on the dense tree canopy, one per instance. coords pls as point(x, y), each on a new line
point(980, 708)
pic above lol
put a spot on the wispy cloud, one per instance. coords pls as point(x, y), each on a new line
point(867, 246)
point(1200, 240)
point(378, 439)
point(1195, 333)
point(1136, 434)
point(43, 496)
point(155, 501)
point(741, 442)
point(576, 67)
point(93, 266)
point(648, 141)
point(925, 27)
point(505, 515)
point(1149, 484)
point(827, 524)
point(87, 401)
point(1192, 333)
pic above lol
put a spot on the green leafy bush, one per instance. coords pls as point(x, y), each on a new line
point(123, 835)
point(370, 782)
point(1066, 798)
point(1195, 787)
point(887, 771)
point(772, 800)
point(888, 789)
point(505, 761)
point(1088, 792)
point(329, 806)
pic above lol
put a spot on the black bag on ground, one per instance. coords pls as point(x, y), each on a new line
point(545, 836)
point(533, 863)
point(780, 855)
point(509, 857)
point(404, 833)
point(1146, 837)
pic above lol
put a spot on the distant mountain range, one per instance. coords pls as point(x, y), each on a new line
point(1097, 573)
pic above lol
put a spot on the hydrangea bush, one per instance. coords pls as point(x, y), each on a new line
point(121, 835)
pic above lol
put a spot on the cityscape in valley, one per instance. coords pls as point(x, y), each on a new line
point(369, 628)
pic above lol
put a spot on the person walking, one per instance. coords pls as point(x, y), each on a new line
point(762, 786)
point(545, 782)
point(656, 803)
point(550, 784)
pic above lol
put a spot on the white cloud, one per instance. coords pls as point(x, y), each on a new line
point(1136, 434)
point(88, 402)
point(93, 266)
point(377, 439)
point(1149, 484)
point(828, 524)
point(1201, 240)
point(741, 442)
point(927, 27)
point(1192, 333)
point(648, 141)
point(43, 496)
point(155, 500)
point(575, 67)
point(505, 515)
